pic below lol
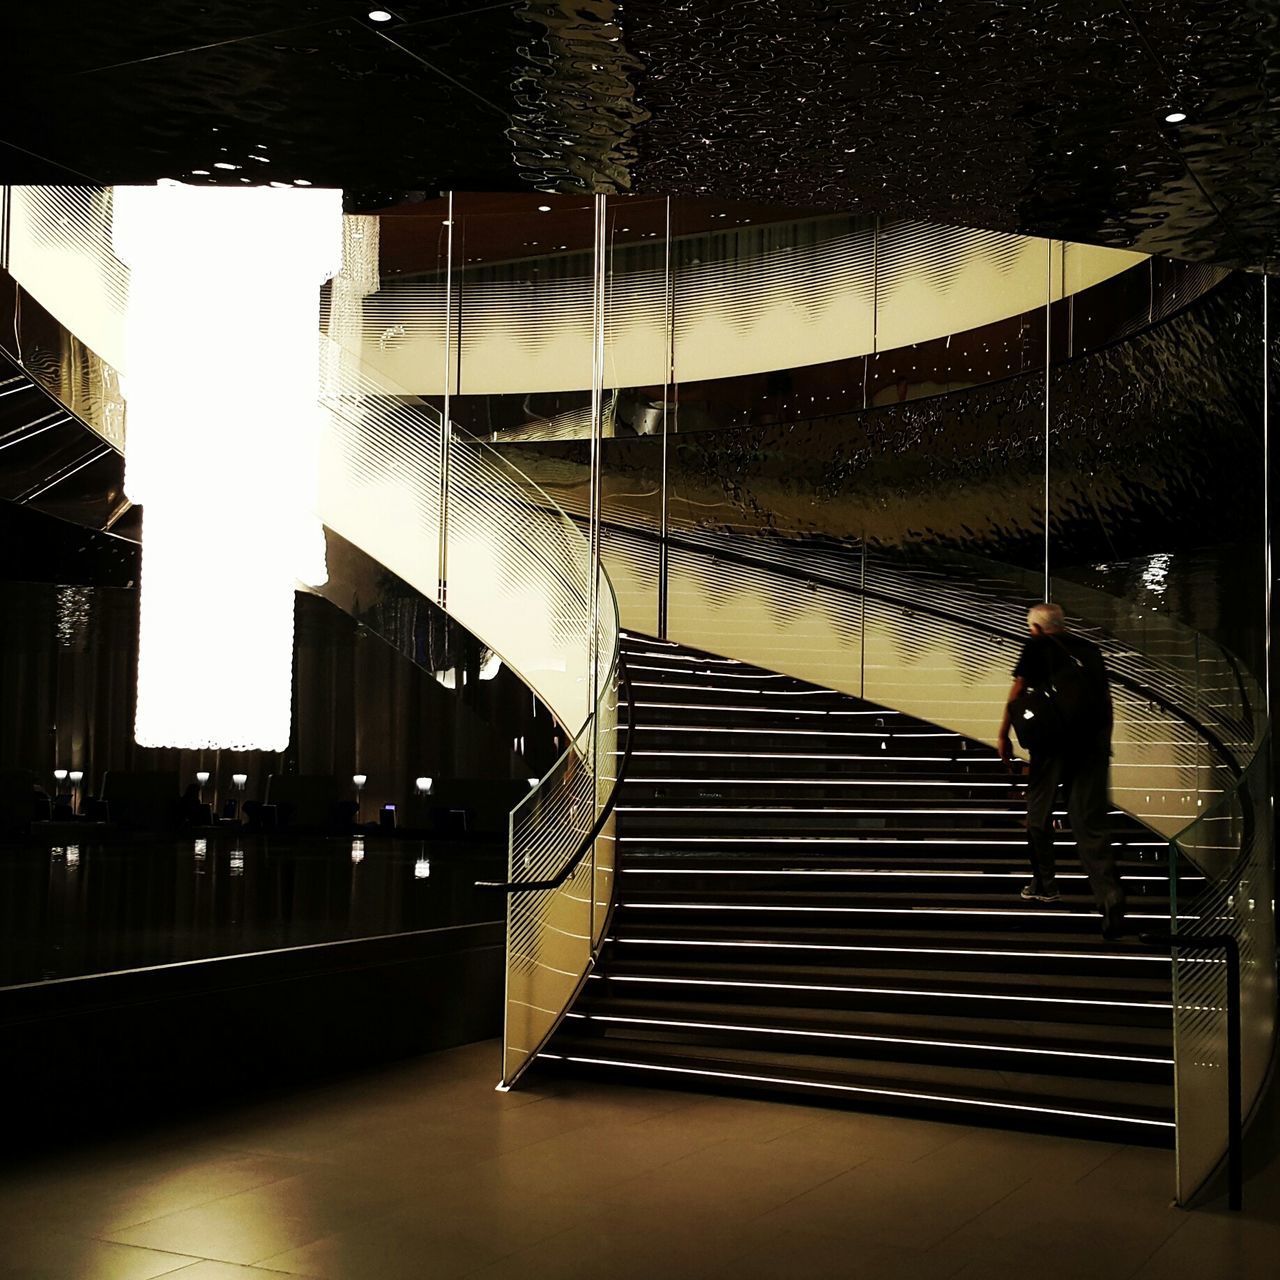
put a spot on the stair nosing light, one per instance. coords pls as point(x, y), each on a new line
point(864, 1089)
point(888, 991)
point(860, 1035)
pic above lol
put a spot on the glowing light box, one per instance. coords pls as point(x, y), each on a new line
point(221, 449)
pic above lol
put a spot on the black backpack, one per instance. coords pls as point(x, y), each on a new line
point(1045, 719)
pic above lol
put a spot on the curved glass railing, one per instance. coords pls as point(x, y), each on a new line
point(1230, 849)
point(515, 571)
point(561, 876)
point(936, 636)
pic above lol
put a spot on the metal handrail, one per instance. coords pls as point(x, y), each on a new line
point(572, 864)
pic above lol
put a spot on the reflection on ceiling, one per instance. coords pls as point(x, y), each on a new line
point(1047, 119)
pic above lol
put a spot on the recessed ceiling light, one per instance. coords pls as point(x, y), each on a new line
point(544, 208)
point(225, 164)
point(301, 182)
point(379, 15)
point(200, 173)
point(1175, 117)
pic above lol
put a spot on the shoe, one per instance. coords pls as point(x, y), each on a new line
point(1113, 921)
point(1030, 893)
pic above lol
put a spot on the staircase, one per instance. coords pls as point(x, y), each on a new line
point(820, 897)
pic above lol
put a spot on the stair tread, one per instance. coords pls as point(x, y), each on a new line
point(836, 896)
point(1114, 1098)
point(852, 977)
point(1031, 942)
point(1025, 1032)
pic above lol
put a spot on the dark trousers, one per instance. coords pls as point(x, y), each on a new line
point(1083, 771)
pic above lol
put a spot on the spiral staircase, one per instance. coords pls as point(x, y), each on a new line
point(813, 894)
point(819, 897)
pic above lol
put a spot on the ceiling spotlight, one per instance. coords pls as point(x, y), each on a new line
point(225, 164)
point(199, 173)
point(544, 208)
point(379, 15)
point(301, 182)
point(1175, 117)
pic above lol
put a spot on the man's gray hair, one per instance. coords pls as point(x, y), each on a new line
point(1048, 617)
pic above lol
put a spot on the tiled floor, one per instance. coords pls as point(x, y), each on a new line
point(423, 1171)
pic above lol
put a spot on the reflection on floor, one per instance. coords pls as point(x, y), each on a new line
point(101, 905)
point(424, 1171)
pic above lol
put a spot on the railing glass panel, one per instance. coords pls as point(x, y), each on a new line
point(1231, 847)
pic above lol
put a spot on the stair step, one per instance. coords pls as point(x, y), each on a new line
point(971, 994)
point(1145, 1044)
point(1038, 1047)
point(972, 1096)
point(819, 897)
point(831, 897)
point(951, 951)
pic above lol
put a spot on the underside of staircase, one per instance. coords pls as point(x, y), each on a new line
point(819, 898)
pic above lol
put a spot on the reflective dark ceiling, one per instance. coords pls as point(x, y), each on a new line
point(1040, 116)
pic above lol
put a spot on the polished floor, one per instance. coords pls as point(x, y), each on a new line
point(422, 1170)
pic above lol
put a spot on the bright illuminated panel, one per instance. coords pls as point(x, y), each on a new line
point(223, 425)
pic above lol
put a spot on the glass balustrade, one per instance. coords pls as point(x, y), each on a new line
point(1222, 871)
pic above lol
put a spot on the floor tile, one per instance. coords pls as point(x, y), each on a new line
point(395, 1247)
point(1220, 1245)
point(1068, 1225)
point(269, 1219)
point(891, 1202)
point(1032, 1155)
point(1144, 1171)
point(50, 1255)
point(787, 1255)
point(872, 1136)
point(110, 1198)
point(719, 1119)
point(732, 1180)
point(207, 1270)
